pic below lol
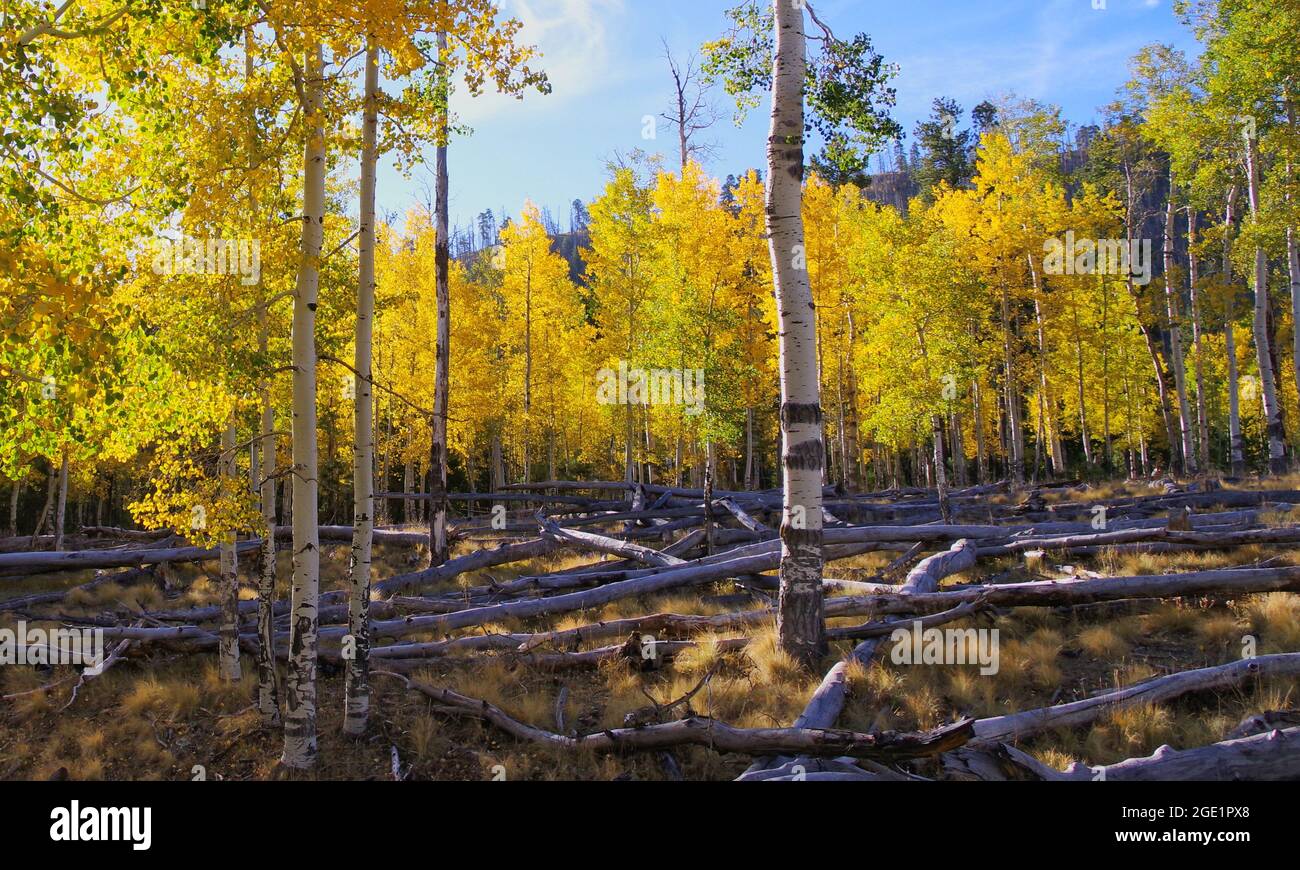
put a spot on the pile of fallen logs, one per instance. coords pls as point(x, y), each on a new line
point(734, 539)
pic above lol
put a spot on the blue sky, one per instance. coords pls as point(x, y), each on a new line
point(605, 60)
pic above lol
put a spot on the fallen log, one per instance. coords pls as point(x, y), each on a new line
point(1016, 726)
point(827, 702)
point(1272, 756)
point(470, 562)
point(1069, 593)
point(604, 544)
point(691, 573)
point(824, 708)
point(742, 516)
point(1194, 539)
point(38, 598)
point(76, 560)
point(700, 731)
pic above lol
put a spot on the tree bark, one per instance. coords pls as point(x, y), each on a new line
point(61, 508)
point(1277, 462)
point(300, 687)
point(1185, 424)
point(439, 550)
point(356, 691)
point(1236, 444)
point(228, 649)
point(800, 626)
point(1017, 726)
point(1193, 277)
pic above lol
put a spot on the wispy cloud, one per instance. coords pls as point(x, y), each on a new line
point(574, 38)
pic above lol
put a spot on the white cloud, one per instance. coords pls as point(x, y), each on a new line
point(573, 37)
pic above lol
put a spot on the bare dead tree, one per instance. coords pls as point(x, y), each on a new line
point(691, 111)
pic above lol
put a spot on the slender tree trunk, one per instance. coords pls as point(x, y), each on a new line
point(1015, 433)
point(981, 452)
point(61, 508)
point(14, 495)
point(1293, 260)
point(300, 687)
point(1277, 462)
point(439, 550)
point(800, 625)
point(749, 450)
point(1186, 427)
point(1236, 444)
point(356, 688)
point(958, 450)
point(1162, 389)
point(408, 486)
point(1050, 424)
point(228, 647)
point(51, 487)
point(940, 474)
point(262, 458)
point(268, 693)
point(1193, 276)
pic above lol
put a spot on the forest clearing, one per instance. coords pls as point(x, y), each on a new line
point(813, 457)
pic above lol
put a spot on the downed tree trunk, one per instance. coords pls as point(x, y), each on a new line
point(1068, 593)
point(472, 562)
point(1016, 726)
point(699, 731)
point(823, 709)
point(742, 517)
point(827, 702)
point(75, 560)
point(603, 544)
point(1198, 539)
point(1272, 756)
point(38, 598)
point(691, 573)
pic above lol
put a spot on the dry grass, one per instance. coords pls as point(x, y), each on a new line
point(158, 716)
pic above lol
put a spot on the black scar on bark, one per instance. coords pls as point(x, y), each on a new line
point(804, 456)
point(800, 537)
point(311, 306)
point(793, 413)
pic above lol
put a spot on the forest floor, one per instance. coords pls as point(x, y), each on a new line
point(166, 715)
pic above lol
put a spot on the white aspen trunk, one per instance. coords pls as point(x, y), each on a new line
point(800, 624)
point(228, 632)
point(300, 687)
point(356, 687)
point(268, 694)
point(1047, 402)
point(408, 486)
point(940, 473)
point(61, 508)
point(1293, 261)
point(1268, 386)
point(14, 495)
point(981, 453)
point(1185, 424)
point(439, 550)
point(262, 470)
point(1193, 275)
point(1015, 435)
point(51, 485)
point(749, 450)
point(1236, 445)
